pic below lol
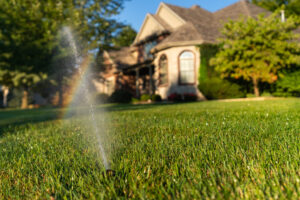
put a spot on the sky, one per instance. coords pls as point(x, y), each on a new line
point(135, 11)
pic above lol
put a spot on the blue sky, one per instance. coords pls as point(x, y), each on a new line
point(135, 11)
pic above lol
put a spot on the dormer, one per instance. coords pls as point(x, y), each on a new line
point(163, 21)
point(150, 27)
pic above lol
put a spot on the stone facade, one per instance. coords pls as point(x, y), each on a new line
point(173, 85)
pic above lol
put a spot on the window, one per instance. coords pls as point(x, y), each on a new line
point(148, 46)
point(186, 68)
point(163, 70)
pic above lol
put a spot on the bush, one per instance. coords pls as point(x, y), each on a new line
point(288, 85)
point(120, 96)
point(101, 98)
point(156, 98)
point(145, 97)
point(189, 97)
point(134, 100)
point(217, 88)
point(266, 94)
point(250, 95)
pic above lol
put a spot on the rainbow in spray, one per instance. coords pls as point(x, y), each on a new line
point(80, 89)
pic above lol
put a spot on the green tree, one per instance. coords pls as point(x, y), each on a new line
point(124, 37)
point(28, 31)
point(256, 49)
point(292, 7)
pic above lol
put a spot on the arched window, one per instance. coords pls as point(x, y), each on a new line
point(186, 68)
point(163, 70)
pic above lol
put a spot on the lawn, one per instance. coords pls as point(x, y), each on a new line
point(203, 150)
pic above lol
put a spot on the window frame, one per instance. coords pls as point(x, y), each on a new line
point(179, 67)
point(159, 69)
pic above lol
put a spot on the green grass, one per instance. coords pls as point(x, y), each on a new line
point(205, 150)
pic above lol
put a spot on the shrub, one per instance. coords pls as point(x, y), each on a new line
point(189, 97)
point(288, 85)
point(266, 94)
point(145, 97)
point(120, 96)
point(217, 88)
point(156, 98)
point(134, 100)
point(101, 98)
point(250, 95)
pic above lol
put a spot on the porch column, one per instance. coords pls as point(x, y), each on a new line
point(150, 80)
point(137, 84)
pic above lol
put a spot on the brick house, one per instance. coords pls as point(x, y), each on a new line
point(165, 56)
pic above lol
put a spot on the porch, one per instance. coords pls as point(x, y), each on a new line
point(141, 77)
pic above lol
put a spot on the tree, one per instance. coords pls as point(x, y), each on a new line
point(28, 31)
point(124, 37)
point(256, 49)
point(6, 78)
point(292, 7)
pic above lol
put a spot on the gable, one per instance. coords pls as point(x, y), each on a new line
point(169, 16)
point(149, 27)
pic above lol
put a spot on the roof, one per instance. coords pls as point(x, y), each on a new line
point(235, 11)
point(200, 18)
point(207, 25)
point(185, 35)
point(122, 58)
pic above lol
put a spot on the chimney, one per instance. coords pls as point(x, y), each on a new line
point(194, 7)
point(282, 16)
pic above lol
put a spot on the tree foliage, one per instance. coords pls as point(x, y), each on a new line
point(292, 7)
point(256, 49)
point(288, 84)
point(29, 29)
point(124, 37)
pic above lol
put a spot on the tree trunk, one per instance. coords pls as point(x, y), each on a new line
point(255, 86)
point(60, 93)
point(24, 104)
point(60, 96)
point(5, 94)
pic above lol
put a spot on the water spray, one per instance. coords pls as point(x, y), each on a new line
point(79, 64)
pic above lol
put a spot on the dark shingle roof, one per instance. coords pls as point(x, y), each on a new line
point(185, 33)
point(200, 18)
point(235, 11)
point(123, 57)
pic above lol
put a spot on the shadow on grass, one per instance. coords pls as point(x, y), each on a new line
point(14, 117)
point(130, 107)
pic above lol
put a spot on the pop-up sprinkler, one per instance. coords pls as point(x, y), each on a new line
point(109, 173)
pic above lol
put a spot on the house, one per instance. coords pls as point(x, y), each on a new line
point(165, 56)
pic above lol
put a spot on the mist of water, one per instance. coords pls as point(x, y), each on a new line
point(84, 94)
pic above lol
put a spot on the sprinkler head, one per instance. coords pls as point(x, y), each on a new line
point(109, 173)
